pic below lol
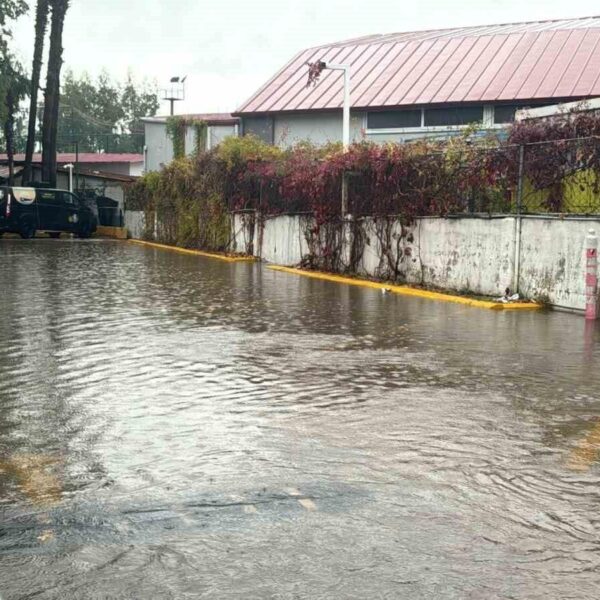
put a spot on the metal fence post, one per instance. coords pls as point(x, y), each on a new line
point(344, 194)
point(518, 220)
point(591, 276)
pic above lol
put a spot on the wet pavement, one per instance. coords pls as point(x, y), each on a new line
point(178, 427)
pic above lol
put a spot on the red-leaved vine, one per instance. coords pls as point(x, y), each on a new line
point(389, 185)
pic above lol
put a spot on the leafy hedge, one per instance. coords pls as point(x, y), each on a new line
point(193, 196)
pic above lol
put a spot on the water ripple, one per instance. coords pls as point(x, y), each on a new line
point(173, 427)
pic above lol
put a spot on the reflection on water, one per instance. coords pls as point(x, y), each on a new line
point(175, 427)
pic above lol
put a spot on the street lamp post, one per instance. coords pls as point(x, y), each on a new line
point(345, 124)
point(346, 106)
point(70, 167)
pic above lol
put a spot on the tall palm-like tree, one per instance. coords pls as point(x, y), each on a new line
point(52, 92)
point(41, 24)
point(15, 92)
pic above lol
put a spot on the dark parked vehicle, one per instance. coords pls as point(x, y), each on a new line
point(25, 210)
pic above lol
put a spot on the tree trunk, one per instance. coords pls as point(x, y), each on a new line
point(41, 23)
point(9, 131)
point(52, 93)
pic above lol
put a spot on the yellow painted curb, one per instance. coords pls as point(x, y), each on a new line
point(222, 257)
point(119, 233)
point(409, 291)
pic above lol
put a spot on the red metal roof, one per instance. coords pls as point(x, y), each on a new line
point(208, 118)
point(493, 63)
point(85, 157)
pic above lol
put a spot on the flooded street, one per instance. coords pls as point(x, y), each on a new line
point(179, 427)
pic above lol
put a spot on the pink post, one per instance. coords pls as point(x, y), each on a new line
point(591, 276)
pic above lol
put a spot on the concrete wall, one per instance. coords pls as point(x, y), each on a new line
point(552, 259)
point(459, 254)
point(283, 240)
point(466, 254)
point(135, 223)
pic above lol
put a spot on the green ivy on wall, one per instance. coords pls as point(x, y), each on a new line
point(176, 131)
point(176, 128)
point(201, 131)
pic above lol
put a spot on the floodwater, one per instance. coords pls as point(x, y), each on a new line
point(178, 427)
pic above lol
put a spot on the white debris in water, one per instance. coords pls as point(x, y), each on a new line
point(307, 503)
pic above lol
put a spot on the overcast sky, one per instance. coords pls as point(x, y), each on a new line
point(228, 48)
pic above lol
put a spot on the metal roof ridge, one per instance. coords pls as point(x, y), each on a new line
point(484, 29)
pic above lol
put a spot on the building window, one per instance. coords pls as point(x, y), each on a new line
point(504, 114)
point(260, 127)
point(394, 119)
point(464, 115)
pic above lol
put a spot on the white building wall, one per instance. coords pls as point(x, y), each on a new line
point(136, 169)
point(217, 133)
point(190, 141)
point(324, 127)
point(159, 148)
point(318, 128)
point(119, 168)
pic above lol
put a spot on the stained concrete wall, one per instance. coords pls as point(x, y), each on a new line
point(458, 254)
point(464, 254)
point(552, 259)
point(135, 223)
point(283, 240)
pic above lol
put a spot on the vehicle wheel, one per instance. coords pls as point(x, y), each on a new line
point(27, 230)
point(54, 234)
point(85, 232)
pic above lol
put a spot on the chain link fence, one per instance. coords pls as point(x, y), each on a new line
point(547, 177)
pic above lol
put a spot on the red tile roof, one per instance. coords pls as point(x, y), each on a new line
point(510, 62)
point(86, 157)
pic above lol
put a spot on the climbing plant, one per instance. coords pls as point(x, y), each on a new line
point(176, 131)
point(201, 131)
point(390, 185)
